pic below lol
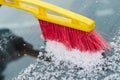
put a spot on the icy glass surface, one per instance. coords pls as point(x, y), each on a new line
point(106, 68)
point(57, 63)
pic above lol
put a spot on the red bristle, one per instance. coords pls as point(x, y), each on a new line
point(72, 38)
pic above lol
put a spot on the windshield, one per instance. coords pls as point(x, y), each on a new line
point(21, 43)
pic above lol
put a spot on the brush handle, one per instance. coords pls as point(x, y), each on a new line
point(39, 10)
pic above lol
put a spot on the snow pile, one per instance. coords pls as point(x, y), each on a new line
point(83, 59)
point(65, 65)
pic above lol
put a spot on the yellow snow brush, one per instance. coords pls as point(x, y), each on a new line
point(71, 29)
point(39, 9)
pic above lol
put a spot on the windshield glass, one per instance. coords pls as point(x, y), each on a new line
point(21, 43)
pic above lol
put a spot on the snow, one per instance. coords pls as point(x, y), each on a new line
point(83, 59)
point(113, 77)
point(75, 65)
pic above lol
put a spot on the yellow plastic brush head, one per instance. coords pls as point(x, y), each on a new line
point(39, 10)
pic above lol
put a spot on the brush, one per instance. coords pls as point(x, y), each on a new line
point(73, 30)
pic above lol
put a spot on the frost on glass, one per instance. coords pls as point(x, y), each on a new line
point(80, 66)
point(66, 69)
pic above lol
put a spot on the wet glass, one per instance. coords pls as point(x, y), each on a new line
point(19, 35)
point(20, 29)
